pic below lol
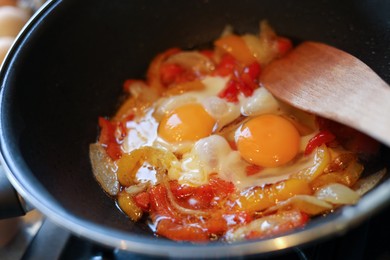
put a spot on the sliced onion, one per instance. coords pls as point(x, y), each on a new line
point(267, 226)
point(336, 193)
point(192, 60)
point(137, 188)
point(227, 30)
point(304, 203)
point(263, 51)
point(264, 47)
point(366, 184)
point(104, 169)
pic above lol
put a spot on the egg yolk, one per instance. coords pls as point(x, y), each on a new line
point(268, 141)
point(186, 123)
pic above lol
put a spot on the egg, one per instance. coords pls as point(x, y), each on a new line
point(268, 141)
point(261, 102)
point(189, 125)
point(213, 154)
point(208, 155)
point(140, 132)
point(189, 122)
point(174, 123)
point(222, 111)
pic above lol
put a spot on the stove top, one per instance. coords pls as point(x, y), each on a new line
point(39, 238)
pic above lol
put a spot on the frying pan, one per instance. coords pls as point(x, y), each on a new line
point(67, 68)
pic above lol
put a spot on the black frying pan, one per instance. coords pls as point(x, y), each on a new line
point(67, 68)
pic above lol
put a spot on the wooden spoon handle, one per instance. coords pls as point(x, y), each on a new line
point(331, 83)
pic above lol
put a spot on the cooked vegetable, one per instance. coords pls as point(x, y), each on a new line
point(364, 185)
point(207, 153)
point(104, 169)
point(269, 225)
point(336, 193)
point(310, 205)
point(154, 159)
point(129, 207)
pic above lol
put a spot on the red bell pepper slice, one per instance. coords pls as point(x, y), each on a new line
point(181, 232)
point(170, 72)
point(142, 200)
point(226, 66)
point(243, 81)
point(323, 137)
point(108, 138)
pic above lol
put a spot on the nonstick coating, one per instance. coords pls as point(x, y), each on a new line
point(68, 66)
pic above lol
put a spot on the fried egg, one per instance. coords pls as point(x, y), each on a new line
point(175, 122)
point(268, 141)
point(213, 154)
point(189, 125)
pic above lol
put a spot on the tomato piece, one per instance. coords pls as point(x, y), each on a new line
point(179, 227)
point(216, 224)
point(230, 93)
point(246, 89)
point(220, 187)
point(169, 73)
point(107, 131)
point(245, 81)
point(181, 232)
point(192, 197)
point(201, 197)
point(108, 138)
point(233, 88)
point(249, 79)
point(253, 71)
point(142, 200)
point(159, 203)
point(153, 73)
point(323, 137)
point(226, 66)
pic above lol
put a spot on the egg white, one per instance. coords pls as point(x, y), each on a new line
point(144, 131)
point(211, 154)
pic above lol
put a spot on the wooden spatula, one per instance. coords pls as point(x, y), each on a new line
point(328, 82)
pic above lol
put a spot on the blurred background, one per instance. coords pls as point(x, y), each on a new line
point(13, 16)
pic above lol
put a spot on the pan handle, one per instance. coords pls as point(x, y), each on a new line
point(11, 204)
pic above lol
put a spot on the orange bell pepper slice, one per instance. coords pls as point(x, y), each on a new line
point(237, 47)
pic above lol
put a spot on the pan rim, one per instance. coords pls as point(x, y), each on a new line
point(15, 169)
